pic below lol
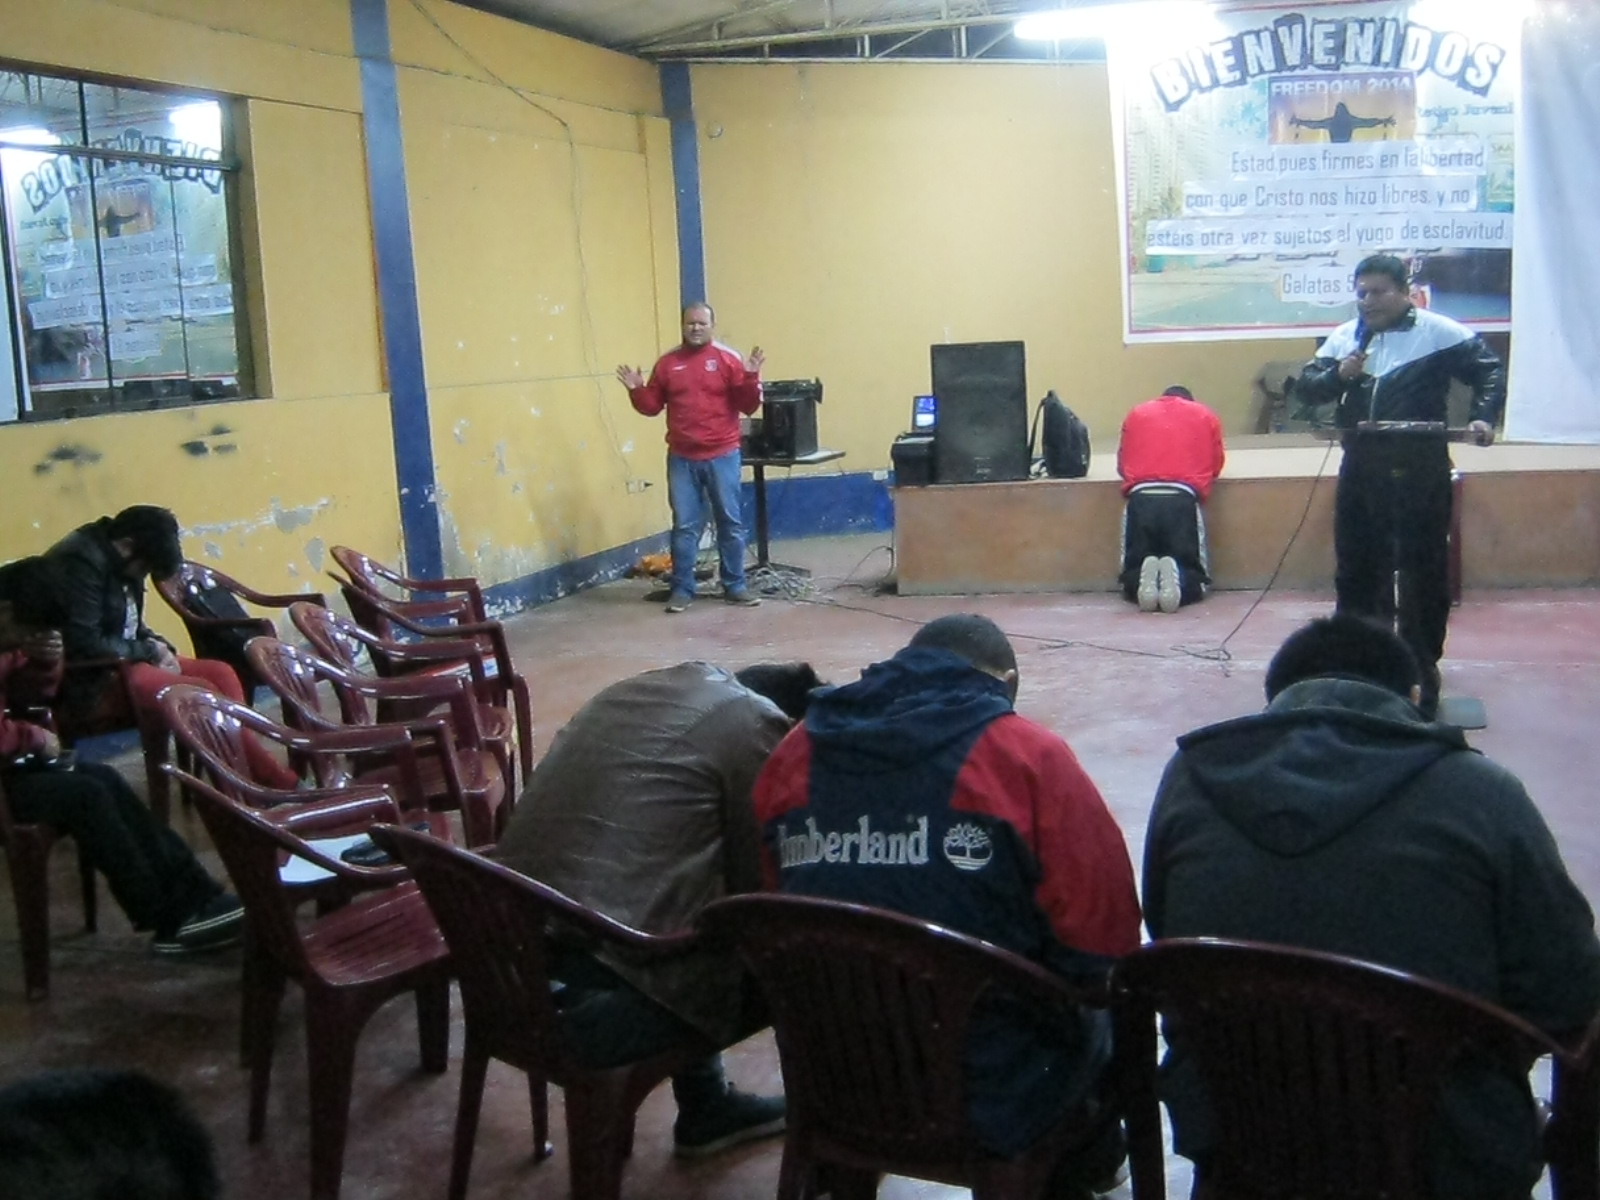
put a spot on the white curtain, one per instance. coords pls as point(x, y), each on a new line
point(1555, 296)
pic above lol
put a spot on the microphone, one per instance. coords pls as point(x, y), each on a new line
point(1363, 335)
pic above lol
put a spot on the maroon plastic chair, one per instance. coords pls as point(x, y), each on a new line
point(195, 594)
point(871, 1012)
point(209, 731)
point(27, 850)
point(1572, 1137)
point(348, 962)
point(496, 922)
point(341, 641)
point(461, 599)
point(116, 713)
point(399, 621)
point(1324, 1073)
point(454, 771)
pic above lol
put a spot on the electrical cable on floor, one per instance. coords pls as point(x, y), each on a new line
point(1220, 653)
point(1217, 654)
point(775, 581)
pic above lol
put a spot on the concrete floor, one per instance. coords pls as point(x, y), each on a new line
point(1117, 684)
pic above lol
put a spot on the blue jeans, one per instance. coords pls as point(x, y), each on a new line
point(691, 483)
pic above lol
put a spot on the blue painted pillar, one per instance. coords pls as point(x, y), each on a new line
point(397, 290)
point(678, 100)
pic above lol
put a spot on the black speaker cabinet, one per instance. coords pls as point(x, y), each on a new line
point(982, 434)
point(912, 457)
point(789, 417)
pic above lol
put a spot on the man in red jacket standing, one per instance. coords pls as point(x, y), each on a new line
point(1169, 455)
point(704, 387)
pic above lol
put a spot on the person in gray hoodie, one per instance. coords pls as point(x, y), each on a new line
point(1340, 820)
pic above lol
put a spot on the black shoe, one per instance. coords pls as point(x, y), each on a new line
point(217, 924)
point(729, 1120)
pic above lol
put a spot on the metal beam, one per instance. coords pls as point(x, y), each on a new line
point(839, 31)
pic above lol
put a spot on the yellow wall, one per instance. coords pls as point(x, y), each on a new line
point(539, 457)
point(542, 220)
point(856, 213)
point(256, 484)
point(853, 214)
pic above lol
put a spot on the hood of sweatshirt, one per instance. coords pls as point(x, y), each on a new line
point(1324, 754)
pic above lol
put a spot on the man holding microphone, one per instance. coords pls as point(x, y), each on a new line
point(1393, 364)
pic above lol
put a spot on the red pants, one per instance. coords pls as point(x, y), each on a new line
point(146, 680)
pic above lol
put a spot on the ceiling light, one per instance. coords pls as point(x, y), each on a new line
point(1063, 24)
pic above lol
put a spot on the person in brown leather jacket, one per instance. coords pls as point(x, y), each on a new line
point(641, 810)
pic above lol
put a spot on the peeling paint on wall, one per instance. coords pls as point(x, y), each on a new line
point(286, 520)
point(68, 452)
point(316, 552)
point(289, 519)
point(212, 550)
point(199, 447)
point(460, 431)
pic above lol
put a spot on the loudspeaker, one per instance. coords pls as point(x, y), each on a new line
point(982, 435)
point(789, 417)
point(911, 454)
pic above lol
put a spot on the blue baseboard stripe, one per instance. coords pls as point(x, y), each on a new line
point(799, 507)
point(565, 578)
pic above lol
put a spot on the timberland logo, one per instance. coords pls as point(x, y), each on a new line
point(968, 847)
point(864, 845)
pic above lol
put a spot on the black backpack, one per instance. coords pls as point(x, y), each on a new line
point(226, 644)
point(1066, 439)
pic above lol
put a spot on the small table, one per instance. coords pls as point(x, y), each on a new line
point(759, 465)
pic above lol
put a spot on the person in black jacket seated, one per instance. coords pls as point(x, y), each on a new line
point(1394, 362)
point(1338, 820)
point(98, 572)
point(153, 875)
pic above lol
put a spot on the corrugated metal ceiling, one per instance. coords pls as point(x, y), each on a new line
point(825, 28)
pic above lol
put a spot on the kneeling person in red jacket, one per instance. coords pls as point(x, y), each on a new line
point(1168, 457)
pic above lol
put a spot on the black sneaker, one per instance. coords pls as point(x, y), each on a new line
point(217, 924)
point(733, 1118)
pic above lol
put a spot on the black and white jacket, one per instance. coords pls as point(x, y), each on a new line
point(1408, 372)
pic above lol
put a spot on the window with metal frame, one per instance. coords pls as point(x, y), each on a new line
point(120, 242)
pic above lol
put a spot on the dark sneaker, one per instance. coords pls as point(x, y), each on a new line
point(742, 598)
point(733, 1118)
point(678, 601)
point(219, 923)
point(1169, 585)
point(1149, 578)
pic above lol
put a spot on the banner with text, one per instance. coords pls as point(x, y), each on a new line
point(1263, 151)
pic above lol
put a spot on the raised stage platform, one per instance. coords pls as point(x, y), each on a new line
point(1530, 518)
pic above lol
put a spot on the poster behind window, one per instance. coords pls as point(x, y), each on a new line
point(122, 269)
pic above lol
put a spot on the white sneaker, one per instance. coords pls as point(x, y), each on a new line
point(1169, 585)
point(1149, 582)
